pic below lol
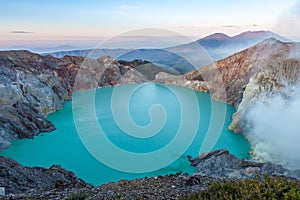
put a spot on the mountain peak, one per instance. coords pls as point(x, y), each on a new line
point(269, 42)
point(217, 36)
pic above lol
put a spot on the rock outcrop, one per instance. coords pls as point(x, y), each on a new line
point(16, 178)
point(222, 164)
point(29, 90)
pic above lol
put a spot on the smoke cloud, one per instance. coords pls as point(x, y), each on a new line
point(288, 23)
point(295, 51)
point(276, 127)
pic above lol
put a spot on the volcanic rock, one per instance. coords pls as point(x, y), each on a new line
point(16, 178)
point(222, 164)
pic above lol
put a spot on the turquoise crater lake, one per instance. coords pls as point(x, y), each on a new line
point(65, 147)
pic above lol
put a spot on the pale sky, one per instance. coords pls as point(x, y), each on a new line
point(86, 22)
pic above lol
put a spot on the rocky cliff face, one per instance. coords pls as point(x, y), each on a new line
point(275, 78)
point(227, 79)
point(29, 90)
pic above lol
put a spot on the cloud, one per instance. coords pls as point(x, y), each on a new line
point(21, 32)
point(296, 9)
point(288, 23)
point(231, 26)
point(125, 8)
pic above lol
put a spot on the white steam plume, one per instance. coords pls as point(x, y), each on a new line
point(276, 127)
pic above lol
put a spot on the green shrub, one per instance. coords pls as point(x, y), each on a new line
point(266, 188)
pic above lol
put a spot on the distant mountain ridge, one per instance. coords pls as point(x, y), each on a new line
point(41, 50)
point(220, 45)
point(186, 57)
point(160, 57)
point(246, 38)
point(91, 53)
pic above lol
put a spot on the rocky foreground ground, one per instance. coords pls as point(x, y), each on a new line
point(56, 183)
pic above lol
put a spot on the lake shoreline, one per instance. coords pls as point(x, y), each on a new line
point(172, 186)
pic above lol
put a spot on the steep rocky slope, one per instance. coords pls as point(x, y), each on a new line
point(29, 90)
point(226, 79)
point(276, 78)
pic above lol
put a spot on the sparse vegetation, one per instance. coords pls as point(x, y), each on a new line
point(77, 196)
point(259, 188)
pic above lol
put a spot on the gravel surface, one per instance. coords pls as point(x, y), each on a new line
point(171, 186)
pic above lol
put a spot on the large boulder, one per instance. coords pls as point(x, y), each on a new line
point(222, 164)
point(16, 178)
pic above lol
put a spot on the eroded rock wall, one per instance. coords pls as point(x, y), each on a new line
point(275, 78)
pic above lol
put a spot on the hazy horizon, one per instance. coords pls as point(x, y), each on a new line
point(82, 24)
point(117, 42)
